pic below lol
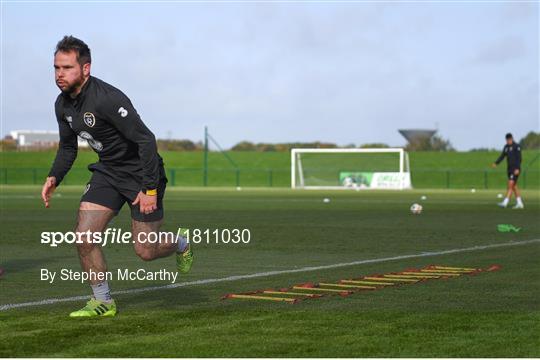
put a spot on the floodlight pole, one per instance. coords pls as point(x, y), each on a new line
point(205, 165)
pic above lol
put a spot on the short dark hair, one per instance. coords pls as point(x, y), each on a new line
point(509, 136)
point(71, 43)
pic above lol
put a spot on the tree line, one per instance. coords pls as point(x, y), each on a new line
point(436, 143)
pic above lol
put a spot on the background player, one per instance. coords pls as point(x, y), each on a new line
point(512, 152)
point(129, 168)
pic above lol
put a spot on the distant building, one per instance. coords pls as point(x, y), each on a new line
point(35, 138)
point(39, 139)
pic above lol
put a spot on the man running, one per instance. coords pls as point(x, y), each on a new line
point(512, 152)
point(129, 168)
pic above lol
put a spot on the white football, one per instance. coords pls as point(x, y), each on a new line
point(416, 209)
point(326, 200)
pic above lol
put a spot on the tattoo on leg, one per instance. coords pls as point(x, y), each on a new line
point(150, 243)
point(90, 255)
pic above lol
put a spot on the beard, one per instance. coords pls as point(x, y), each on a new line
point(71, 87)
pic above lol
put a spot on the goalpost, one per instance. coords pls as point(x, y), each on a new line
point(384, 168)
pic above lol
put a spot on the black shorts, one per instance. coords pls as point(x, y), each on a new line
point(511, 175)
point(103, 190)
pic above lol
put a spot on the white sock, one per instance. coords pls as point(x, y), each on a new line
point(519, 201)
point(506, 200)
point(102, 291)
point(182, 243)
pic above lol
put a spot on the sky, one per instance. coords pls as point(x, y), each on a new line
point(341, 72)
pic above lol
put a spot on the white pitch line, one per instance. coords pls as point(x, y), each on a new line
point(272, 273)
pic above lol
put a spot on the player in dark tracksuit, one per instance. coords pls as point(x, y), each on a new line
point(129, 169)
point(128, 157)
point(512, 152)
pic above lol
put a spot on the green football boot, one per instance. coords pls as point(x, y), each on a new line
point(96, 308)
point(184, 260)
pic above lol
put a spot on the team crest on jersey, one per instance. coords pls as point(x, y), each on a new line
point(89, 119)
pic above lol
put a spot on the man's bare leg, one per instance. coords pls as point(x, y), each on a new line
point(95, 218)
point(165, 246)
point(509, 191)
point(517, 193)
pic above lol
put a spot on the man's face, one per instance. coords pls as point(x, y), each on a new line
point(509, 141)
point(68, 73)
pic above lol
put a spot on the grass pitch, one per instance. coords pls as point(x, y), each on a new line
point(490, 315)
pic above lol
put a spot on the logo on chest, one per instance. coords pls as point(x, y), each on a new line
point(89, 119)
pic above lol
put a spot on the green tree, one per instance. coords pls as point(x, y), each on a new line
point(531, 141)
point(178, 145)
point(244, 146)
point(374, 146)
point(8, 145)
point(435, 143)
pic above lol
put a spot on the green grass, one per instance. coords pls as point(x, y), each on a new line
point(459, 170)
point(495, 314)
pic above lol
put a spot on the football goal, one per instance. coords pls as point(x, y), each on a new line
point(386, 168)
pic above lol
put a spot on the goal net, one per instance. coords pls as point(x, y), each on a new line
point(350, 169)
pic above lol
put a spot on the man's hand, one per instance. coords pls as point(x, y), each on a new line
point(147, 203)
point(48, 189)
point(516, 172)
point(494, 165)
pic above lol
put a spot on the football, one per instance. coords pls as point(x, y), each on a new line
point(416, 209)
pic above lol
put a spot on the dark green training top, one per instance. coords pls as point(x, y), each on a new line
point(102, 115)
point(513, 156)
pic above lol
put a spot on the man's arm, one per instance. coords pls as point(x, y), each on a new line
point(65, 156)
point(501, 157)
point(517, 165)
point(123, 116)
point(66, 153)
